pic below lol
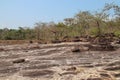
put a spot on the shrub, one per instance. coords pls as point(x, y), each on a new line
point(117, 33)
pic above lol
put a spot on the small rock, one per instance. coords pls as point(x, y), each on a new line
point(71, 69)
point(31, 41)
point(76, 49)
point(1, 49)
point(19, 61)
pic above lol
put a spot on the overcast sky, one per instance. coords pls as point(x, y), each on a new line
point(16, 13)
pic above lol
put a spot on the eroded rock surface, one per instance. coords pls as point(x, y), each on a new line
point(57, 62)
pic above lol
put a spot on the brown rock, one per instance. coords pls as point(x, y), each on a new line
point(76, 50)
point(71, 69)
point(19, 61)
point(1, 49)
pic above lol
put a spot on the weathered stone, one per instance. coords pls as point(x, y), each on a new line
point(105, 75)
point(117, 75)
point(68, 73)
point(111, 68)
point(76, 50)
point(58, 58)
point(94, 79)
point(118, 42)
point(1, 49)
point(37, 73)
point(19, 61)
point(71, 69)
point(30, 41)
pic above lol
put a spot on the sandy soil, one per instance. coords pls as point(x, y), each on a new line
point(57, 62)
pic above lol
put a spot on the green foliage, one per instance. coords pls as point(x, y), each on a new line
point(117, 33)
point(93, 31)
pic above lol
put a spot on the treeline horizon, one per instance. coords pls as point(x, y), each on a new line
point(84, 23)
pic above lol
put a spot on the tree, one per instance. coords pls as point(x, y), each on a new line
point(69, 21)
point(83, 19)
point(38, 27)
point(100, 18)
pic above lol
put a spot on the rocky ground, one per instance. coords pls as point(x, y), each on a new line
point(58, 62)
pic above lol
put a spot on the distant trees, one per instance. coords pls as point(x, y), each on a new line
point(16, 34)
point(83, 23)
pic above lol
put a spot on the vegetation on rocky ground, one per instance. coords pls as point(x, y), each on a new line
point(83, 24)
